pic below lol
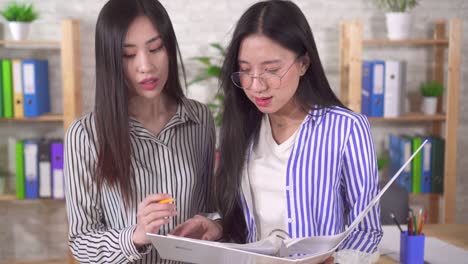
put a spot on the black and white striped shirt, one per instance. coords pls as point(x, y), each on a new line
point(178, 161)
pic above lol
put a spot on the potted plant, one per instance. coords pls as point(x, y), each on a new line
point(3, 175)
point(383, 161)
point(19, 17)
point(211, 70)
point(398, 17)
point(430, 92)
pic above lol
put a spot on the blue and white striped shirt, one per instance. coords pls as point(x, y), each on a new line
point(331, 176)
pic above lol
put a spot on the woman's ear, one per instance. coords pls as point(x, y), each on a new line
point(305, 63)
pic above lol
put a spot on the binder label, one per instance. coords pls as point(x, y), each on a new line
point(378, 78)
point(30, 151)
point(28, 75)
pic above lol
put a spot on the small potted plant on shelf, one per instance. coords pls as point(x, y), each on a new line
point(430, 92)
point(3, 175)
point(398, 17)
point(383, 161)
point(19, 17)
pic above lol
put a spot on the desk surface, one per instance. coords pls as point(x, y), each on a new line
point(455, 234)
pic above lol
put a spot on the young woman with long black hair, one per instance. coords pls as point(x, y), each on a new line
point(292, 156)
point(144, 142)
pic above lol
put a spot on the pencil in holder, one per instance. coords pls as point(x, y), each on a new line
point(411, 248)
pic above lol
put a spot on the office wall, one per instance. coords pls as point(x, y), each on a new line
point(198, 23)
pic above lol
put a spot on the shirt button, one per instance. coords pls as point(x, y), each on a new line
point(290, 220)
point(289, 188)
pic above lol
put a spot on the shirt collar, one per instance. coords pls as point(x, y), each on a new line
point(185, 112)
point(317, 113)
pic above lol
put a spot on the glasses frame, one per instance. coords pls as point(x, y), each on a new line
point(260, 77)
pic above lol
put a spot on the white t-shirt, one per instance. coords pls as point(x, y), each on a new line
point(267, 175)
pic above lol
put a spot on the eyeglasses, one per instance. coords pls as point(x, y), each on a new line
point(271, 80)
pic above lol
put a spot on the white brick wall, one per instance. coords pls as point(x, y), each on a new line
point(198, 23)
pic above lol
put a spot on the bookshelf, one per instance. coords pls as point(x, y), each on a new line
point(69, 48)
point(352, 44)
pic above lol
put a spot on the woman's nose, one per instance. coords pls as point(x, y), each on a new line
point(144, 63)
point(258, 84)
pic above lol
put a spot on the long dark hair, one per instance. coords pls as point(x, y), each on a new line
point(284, 23)
point(112, 93)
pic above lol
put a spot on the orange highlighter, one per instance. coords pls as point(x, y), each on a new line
point(166, 201)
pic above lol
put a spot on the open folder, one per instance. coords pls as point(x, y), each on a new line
point(273, 249)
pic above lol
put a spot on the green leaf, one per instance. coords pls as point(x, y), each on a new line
point(219, 97)
point(382, 160)
point(214, 71)
point(219, 48)
point(218, 119)
point(204, 60)
point(396, 5)
point(432, 89)
point(199, 78)
point(19, 12)
point(212, 106)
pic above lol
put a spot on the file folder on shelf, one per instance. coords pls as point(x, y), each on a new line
point(31, 149)
point(56, 153)
point(45, 173)
point(20, 177)
point(36, 87)
point(7, 89)
point(373, 88)
point(395, 72)
point(18, 88)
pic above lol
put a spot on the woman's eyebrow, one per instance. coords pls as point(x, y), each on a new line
point(129, 45)
point(263, 63)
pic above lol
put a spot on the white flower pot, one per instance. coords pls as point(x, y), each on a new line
point(398, 25)
point(429, 105)
point(19, 30)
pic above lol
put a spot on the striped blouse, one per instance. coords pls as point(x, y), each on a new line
point(331, 176)
point(178, 161)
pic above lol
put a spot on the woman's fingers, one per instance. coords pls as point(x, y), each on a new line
point(153, 221)
point(158, 215)
point(329, 260)
point(189, 229)
point(155, 207)
point(153, 198)
point(155, 225)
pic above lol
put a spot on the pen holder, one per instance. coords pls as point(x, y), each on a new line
point(411, 248)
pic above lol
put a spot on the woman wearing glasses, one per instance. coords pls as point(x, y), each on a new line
point(292, 156)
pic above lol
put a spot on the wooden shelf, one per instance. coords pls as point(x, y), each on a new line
point(68, 47)
point(446, 49)
point(28, 43)
point(437, 195)
point(411, 117)
point(7, 197)
point(12, 197)
point(44, 118)
point(405, 42)
point(52, 261)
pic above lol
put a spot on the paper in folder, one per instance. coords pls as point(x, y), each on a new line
point(271, 250)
